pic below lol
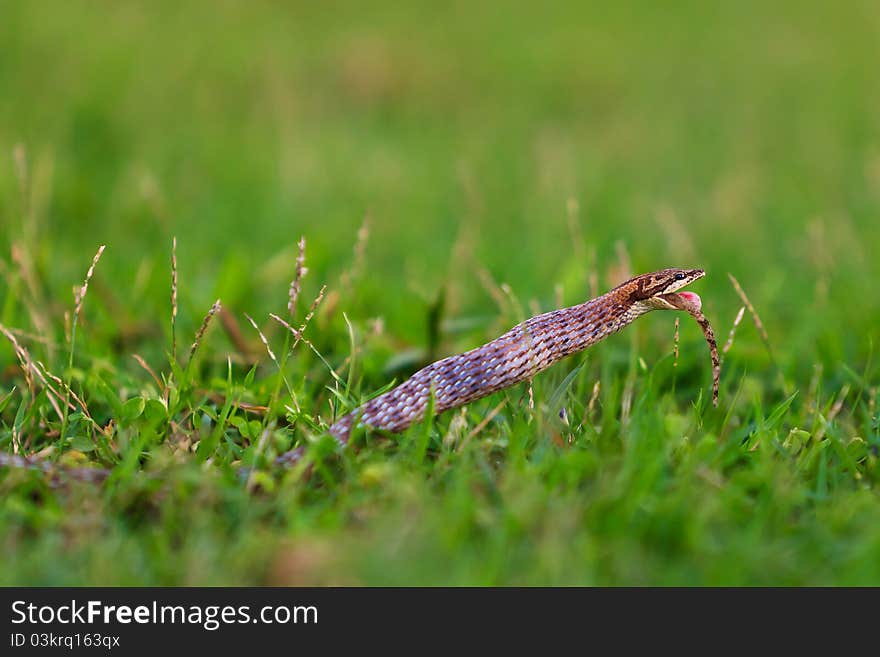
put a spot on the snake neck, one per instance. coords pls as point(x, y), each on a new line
point(573, 329)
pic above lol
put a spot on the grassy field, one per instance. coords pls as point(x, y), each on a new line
point(452, 171)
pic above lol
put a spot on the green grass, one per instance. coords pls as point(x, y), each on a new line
point(538, 148)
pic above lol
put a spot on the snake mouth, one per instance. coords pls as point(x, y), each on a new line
point(687, 301)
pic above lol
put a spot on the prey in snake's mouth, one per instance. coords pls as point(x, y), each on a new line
point(681, 301)
point(691, 303)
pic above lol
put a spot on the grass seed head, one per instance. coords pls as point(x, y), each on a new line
point(203, 328)
point(296, 283)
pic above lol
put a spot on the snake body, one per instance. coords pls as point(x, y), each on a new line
point(519, 354)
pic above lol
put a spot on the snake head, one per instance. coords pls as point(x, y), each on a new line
point(665, 281)
point(657, 290)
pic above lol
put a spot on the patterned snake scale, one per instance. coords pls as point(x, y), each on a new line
point(517, 356)
point(522, 352)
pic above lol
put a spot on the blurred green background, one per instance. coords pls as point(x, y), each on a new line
point(733, 136)
point(546, 143)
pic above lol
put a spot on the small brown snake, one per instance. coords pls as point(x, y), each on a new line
point(524, 351)
point(517, 356)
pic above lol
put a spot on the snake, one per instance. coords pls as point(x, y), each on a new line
point(514, 357)
point(523, 352)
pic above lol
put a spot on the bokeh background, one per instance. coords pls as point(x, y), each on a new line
point(550, 146)
point(733, 136)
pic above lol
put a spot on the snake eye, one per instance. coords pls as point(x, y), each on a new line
point(679, 276)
